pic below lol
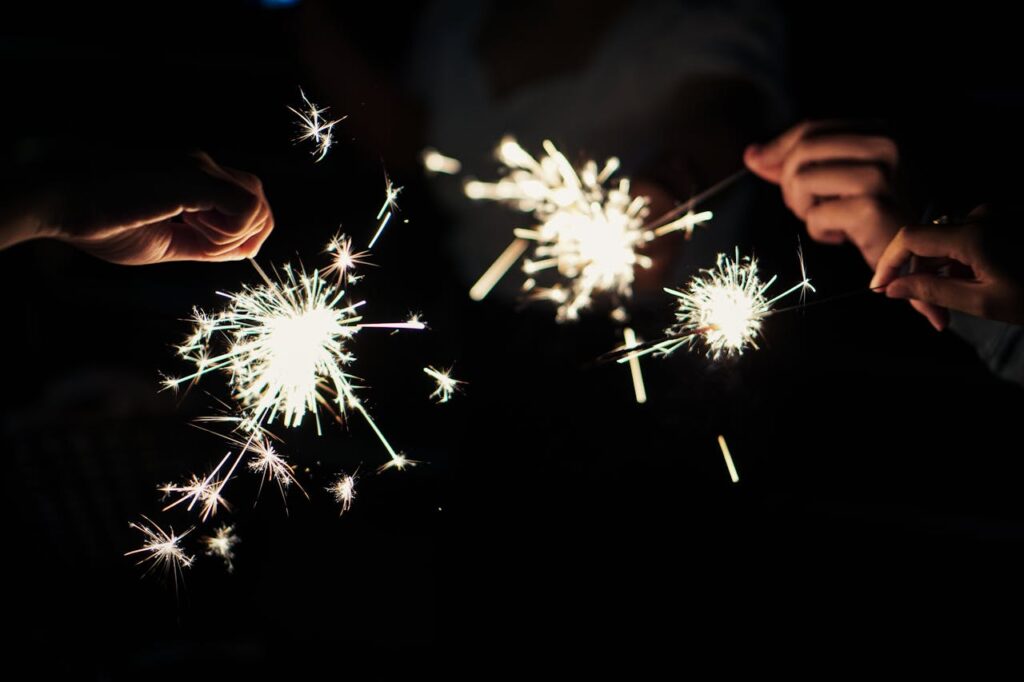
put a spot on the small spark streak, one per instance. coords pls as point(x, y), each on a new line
point(344, 260)
point(728, 460)
point(589, 230)
point(629, 337)
point(803, 272)
point(498, 269)
point(162, 549)
point(436, 162)
point(380, 229)
point(271, 466)
point(390, 197)
point(313, 126)
point(446, 386)
point(222, 544)
point(206, 491)
point(344, 491)
point(398, 462)
point(723, 307)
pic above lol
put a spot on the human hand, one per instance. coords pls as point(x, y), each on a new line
point(838, 182)
point(978, 282)
point(186, 209)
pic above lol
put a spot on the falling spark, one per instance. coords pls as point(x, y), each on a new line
point(398, 462)
point(344, 491)
point(446, 386)
point(380, 228)
point(287, 351)
point(629, 337)
point(436, 162)
point(589, 230)
point(313, 126)
point(206, 491)
point(344, 260)
point(222, 544)
point(390, 198)
point(723, 307)
point(161, 549)
point(271, 466)
point(728, 460)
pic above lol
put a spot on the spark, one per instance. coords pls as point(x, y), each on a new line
point(344, 260)
point(728, 460)
point(287, 350)
point(222, 544)
point(722, 307)
point(206, 491)
point(390, 205)
point(436, 162)
point(589, 230)
point(271, 466)
point(446, 386)
point(344, 491)
point(313, 126)
point(630, 341)
point(398, 462)
point(162, 549)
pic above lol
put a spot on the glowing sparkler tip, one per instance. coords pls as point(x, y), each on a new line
point(399, 462)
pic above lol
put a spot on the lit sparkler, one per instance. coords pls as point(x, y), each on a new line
point(344, 491)
point(222, 544)
point(446, 386)
point(162, 549)
point(287, 355)
point(313, 126)
point(723, 307)
point(588, 230)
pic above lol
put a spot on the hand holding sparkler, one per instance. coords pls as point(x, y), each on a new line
point(186, 209)
point(839, 182)
point(970, 274)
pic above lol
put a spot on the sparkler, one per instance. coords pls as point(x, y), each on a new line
point(161, 549)
point(446, 386)
point(287, 356)
point(344, 491)
point(222, 544)
point(589, 230)
point(313, 126)
point(723, 307)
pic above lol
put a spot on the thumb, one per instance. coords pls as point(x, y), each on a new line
point(766, 160)
point(958, 294)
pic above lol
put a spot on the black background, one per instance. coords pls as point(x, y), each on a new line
point(880, 463)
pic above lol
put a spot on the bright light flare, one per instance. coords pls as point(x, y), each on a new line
point(222, 544)
point(161, 549)
point(728, 460)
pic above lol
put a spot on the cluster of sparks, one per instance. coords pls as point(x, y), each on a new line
point(313, 126)
point(222, 544)
point(161, 549)
point(445, 385)
point(344, 491)
point(588, 229)
point(722, 308)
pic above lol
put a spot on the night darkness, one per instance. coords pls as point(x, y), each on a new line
point(880, 461)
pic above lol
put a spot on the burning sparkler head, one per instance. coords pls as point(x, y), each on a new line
point(590, 230)
point(724, 307)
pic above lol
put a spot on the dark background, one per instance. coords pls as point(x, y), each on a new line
point(879, 461)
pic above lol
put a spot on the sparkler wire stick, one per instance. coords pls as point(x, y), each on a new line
point(688, 205)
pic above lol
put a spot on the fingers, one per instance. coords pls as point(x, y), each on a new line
point(766, 160)
point(930, 294)
point(814, 183)
point(931, 241)
point(867, 221)
point(843, 148)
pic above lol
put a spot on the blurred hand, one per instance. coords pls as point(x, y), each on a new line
point(839, 183)
point(984, 287)
point(188, 209)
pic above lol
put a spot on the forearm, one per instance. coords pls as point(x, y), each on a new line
point(22, 214)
